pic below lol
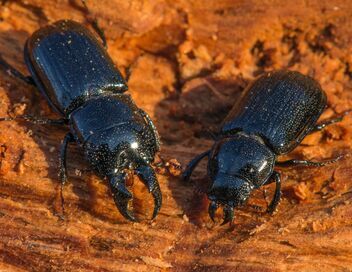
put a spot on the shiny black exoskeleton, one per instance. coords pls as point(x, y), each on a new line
point(271, 118)
point(76, 75)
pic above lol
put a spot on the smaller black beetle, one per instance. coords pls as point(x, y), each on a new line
point(271, 118)
point(80, 81)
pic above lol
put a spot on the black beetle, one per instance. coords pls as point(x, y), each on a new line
point(271, 118)
point(76, 75)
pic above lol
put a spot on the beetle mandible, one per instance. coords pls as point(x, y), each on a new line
point(80, 81)
point(271, 118)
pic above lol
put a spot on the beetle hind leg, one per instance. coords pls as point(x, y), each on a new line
point(331, 121)
point(95, 25)
point(147, 175)
point(15, 73)
point(289, 163)
point(37, 120)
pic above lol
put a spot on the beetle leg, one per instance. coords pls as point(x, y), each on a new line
point(151, 124)
point(15, 73)
point(289, 163)
point(277, 195)
point(37, 120)
point(328, 122)
point(96, 26)
point(128, 73)
point(193, 164)
point(121, 195)
point(147, 175)
point(325, 123)
point(62, 165)
point(228, 215)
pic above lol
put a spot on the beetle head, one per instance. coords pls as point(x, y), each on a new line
point(229, 191)
point(119, 148)
point(237, 165)
point(113, 151)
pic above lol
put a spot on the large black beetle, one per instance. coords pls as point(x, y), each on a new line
point(76, 75)
point(270, 119)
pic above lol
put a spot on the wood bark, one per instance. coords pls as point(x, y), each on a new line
point(190, 61)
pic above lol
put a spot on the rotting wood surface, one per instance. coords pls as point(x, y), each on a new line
point(190, 61)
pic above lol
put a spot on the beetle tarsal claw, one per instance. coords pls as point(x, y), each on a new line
point(147, 175)
point(212, 209)
point(228, 215)
point(121, 196)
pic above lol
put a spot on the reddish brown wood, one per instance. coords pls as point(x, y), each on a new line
point(190, 60)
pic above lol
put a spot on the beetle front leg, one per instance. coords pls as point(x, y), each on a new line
point(15, 73)
point(192, 165)
point(275, 177)
point(62, 164)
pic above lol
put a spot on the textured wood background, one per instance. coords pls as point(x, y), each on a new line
point(191, 60)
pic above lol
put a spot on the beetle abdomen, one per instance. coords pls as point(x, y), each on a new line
point(282, 107)
point(69, 65)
